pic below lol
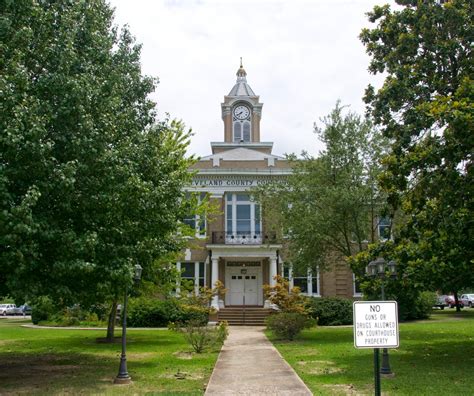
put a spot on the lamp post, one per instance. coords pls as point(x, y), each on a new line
point(378, 269)
point(122, 376)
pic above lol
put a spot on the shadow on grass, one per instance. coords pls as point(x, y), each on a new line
point(32, 373)
point(431, 360)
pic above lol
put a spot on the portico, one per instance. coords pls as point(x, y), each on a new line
point(243, 269)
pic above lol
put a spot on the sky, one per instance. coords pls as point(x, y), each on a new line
point(301, 56)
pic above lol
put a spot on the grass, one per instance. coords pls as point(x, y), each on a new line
point(58, 362)
point(435, 357)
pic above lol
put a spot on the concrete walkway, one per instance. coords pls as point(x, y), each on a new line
point(250, 365)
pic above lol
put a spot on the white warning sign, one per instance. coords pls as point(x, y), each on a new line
point(376, 324)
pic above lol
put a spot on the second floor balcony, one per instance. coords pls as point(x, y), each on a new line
point(243, 238)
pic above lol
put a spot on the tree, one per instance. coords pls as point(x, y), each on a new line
point(425, 109)
point(90, 182)
point(330, 204)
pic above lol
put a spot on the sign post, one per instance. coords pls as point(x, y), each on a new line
point(376, 326)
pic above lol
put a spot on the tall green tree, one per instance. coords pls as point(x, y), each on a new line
point(90, 182)
point(330, 205)
point(425, 109)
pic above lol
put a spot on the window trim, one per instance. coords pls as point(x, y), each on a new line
point(199, 233)
point(355, 293)
point(388, 225)
point(196, 276)
point(309, 281)
point(233, 202)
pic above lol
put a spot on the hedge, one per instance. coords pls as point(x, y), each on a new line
point(159, 313)
point(331, 311)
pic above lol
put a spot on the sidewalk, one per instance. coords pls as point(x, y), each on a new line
point(250, 365)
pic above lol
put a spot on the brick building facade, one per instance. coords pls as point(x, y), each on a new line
point(233, 246)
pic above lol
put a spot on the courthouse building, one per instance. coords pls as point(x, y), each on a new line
point(234, 246)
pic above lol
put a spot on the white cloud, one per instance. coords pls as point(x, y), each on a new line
point(300, 56)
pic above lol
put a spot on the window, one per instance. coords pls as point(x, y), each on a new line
point(384, 228)
point(305, 280)
point(192, 276)
point(356, 286)
point(237, 131)
point(196, 221)
point(241, 120)
point(242, 131)
point(243, 220)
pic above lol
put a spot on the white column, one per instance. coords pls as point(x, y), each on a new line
point(310, 282)
point(273, 270)
point(290, 277)
point(196, 277)
point(214, 279)
point(178, 281)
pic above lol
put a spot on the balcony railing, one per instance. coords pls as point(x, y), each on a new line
point(243, 238)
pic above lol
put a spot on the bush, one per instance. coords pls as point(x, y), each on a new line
point(285, 299)
point(202, 337)
point(331, 311)
point(288, 325)
point(418, 307)
point(42, 309)
point(146, 312)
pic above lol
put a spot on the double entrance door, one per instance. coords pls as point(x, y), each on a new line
point(244, 285)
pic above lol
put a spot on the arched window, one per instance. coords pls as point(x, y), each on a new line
point(246, 134)
point(237, 131)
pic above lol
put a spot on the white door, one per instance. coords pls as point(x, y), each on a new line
point(243, 286)
point(236, 289)
point(250, 289)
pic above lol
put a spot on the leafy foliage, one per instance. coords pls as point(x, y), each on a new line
point(425, 108)
point(414, 302)
point(286, 300)
point(331, 311)
point(90, 182)
point(202, 337)
point(42, 310)
point(293, 312)
point(288, 325)
point(146, 312)
point(329, 205)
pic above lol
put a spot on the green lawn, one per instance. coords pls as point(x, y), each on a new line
point(57, 361)
point(435, 357)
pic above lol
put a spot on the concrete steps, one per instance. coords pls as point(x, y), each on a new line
point(244, 316)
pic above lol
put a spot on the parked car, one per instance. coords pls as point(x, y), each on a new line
point(25, 309)
point(10, 309)
point(451, 301)
point(441, 302)
point(467, 300)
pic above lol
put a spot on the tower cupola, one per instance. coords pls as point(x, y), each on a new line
point(241, 112)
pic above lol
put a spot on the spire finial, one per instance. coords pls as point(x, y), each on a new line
point(241, 73)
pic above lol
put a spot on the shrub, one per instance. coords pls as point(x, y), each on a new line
point(418, 307)
point(202, 337)
point(146, 312)
point(42, 309)
point(331, 311)
point(288, 325)
point(286, 300)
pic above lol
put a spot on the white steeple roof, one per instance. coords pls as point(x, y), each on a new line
point(241, 88)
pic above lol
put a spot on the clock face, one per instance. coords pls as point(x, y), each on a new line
point(241, 112)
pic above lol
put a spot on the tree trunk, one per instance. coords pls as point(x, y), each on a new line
point(456, 301)
point(111, 324)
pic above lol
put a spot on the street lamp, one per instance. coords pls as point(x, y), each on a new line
point(122, 376)
point(378, 269)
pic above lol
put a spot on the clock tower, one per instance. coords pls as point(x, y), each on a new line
point(241, 112)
